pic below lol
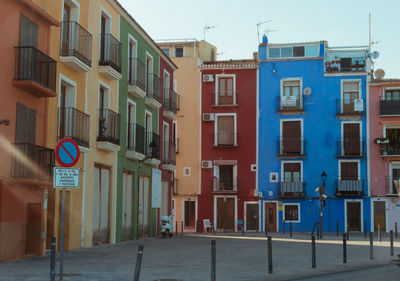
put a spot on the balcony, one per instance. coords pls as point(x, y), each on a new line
point(169, 156)
point(135, 142)
point(137, 78)
point(390, 149)
point(35, 72)
point(152, 149)
point(350, 108)
point(291, 147)
point(346, 60)
point(225, 139)
point(225, 98)
point(350, 148)
point(110, 57)
point(32, 162)
point(153, 91)
point(73, 124)
point(389, 107)
point(392, 186)
point(170, 104)
point(292, 189)
point(76, 46)
point(290, 105)
point(349, 187)
point(225, 185)
point(108, 133)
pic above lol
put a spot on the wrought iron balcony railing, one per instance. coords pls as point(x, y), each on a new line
point(349, 187)
point(350, 107)
point(393, 186)
point(76, 41)
point(110, 51)
point(73, 124)
point(290, 104)
point(291, 146)
point(152, 145)
point(225, 139)
point(109, 126)
point(137, 73)
point(228, 184)
point(389, 107)
point(350, 147)
point(153, 87)
point(170, 100)
point(169, 153)
point(136, 138)
point(292, 189)
point(223, 98)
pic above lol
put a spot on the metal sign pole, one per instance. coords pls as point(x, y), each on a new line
point(62, 234)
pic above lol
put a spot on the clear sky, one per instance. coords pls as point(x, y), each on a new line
point(340, 22)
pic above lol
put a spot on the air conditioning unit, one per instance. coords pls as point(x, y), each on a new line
point(206, 164)
point(208, 78)
point(208, 117)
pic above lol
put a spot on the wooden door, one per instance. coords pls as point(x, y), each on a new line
point(190, 214)
point(127, 201)
point(379, 215)
point(101, 198)
point(292, 143)
point(353, 216)
point(226, 214)
point(33, 228)
point(226, 127)
point(351, 139)
point(270, 216)
point(251, 217)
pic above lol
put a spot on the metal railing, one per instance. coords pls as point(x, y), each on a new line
point(291, 146)
point(225, 139)
point(73, 124)
point(292, 189)
point(349, 107)
point(137, 73)
point(170, 100)
point(109, 126)
point(348, 64)
point(33, 162)
point(34, 65)
point(290, 105)
point(349, 187)
point(391, 183)
point(110, 51)
point(153, 87)
point(76, 41)
point(169, 153)
point(152, 145)
point(136, 138)
point(225, 98)
point(350, 147)
point(389, 107)
point(228, 184)
point(390, 149)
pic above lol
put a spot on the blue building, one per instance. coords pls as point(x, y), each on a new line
point(312, 119)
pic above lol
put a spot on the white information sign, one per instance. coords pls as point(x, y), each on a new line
point(156, 189)
point(359, 105)
point(288, 101)
point(66, 177)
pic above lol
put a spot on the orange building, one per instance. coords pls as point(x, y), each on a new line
point(28, 81)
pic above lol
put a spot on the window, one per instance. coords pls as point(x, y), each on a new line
point(393, 134)
point(149, 75)
point(291, 212)
point(132, 61)
point(395, 177)
point(225, 172)
point(291, 140)
point(351, 139)
point(274, 53)
point(186, 171)
point(25, 128)
point(166, 51)
point(293, 52)
point(292, 172)
point(132, 127)
point(291, 98)
point(298, 51)
point(351, 92)
point(393, 95)
point(225, 133)
point(178, 52)
point(225, 90)
point(28, 32)
point(348, 171)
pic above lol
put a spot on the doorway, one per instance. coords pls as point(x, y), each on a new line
point(353, 210)
point(127, 202)
point(33, 232)
point(251, 216)
point(270, 216)
point(226, 214)
point(190, 214)
point(144, 186)
point(380, 215)
point(101, 205)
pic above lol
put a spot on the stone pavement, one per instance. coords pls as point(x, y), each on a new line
point(188, 258)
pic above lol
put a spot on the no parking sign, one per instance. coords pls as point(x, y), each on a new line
point(67, 152)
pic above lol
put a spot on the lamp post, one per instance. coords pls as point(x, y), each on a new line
point(321, 193)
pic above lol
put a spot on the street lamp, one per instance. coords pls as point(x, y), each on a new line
point(321, 190)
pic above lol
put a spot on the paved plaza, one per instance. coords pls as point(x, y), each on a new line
point(238, 258)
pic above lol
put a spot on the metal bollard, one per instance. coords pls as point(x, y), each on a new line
point(181, 227)
point(379, 233)
point(365, 229)
point(318, 233)
point(269, 254)
point(284, 223)
point(395, 230)
point(313, 258)
point(391, 243)
point(344, 248)
point(176, 228)
point(371, 245)
point(213, 260)
point(337, 228)
point(138, 263)
point(53, 259)
point(290, 229)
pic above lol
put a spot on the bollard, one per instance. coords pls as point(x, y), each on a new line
point(391, 243)
point(138, 263)
point(379, 233)
point(53, 259)
point(181, 227)
point(290, 229)
point(395, 230)
point(243, 229)
point(269, 254)
point(371, 245)
point(365, 229)
point(347, 235)
point(318, 233)
point(313, 251)
point(213, 260)
point(176, 228)
point(344, 248)
point(337, 228)
point(284, 223)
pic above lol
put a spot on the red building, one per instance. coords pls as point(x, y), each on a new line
point(228, 145)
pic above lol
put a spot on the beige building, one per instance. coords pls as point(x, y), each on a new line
point(188, 55)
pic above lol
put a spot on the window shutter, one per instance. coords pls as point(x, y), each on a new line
point(28, 32)
point(25, 131)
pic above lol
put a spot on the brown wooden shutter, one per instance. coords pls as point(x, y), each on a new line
point(25, 131)
point(226, 129)
point(351, 139)
point(349, 170)
point(291, 137)
point(28, 32)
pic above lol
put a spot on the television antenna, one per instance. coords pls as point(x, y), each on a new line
point(266, 31)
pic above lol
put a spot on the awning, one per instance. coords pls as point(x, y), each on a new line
point(225, 162)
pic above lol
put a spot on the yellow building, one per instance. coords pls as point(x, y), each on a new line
point(188, 55)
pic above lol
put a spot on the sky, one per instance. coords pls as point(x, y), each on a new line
point(340, 22)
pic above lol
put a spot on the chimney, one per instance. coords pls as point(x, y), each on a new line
point(255, 55)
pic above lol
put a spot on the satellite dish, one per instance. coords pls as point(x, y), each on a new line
point(375, 55)
point(307, 91)
point(379, 73)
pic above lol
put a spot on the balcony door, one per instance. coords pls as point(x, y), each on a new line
point(349, 171)
point(165, 142)
point(105, 28)
point(166, 81)
point(132, 63)
point(351, 92)
point(393, 134)
point(291, 90)
point(25, 128)
point(225, 92)
point(292, 181)
point(28, 37)
point(395, 178)
point(291, 137)
point(351, 139)
point(226, 130)
point(149, 75)
point(226, 180)
point(131, 119)
point(68, 125)
point(66, 27)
